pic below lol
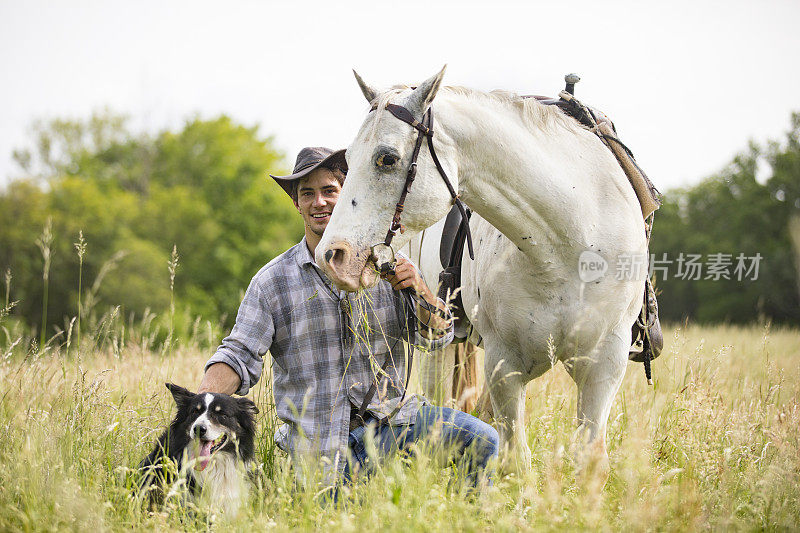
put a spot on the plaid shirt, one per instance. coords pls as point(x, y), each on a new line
point(327, 346)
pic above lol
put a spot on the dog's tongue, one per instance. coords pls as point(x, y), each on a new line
point(205, 455)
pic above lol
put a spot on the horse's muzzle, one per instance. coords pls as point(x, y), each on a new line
point(349, 270)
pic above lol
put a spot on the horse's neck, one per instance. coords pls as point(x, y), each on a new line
point(533, 185)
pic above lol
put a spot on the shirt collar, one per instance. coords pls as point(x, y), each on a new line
point(306, 260)
point(304, 257)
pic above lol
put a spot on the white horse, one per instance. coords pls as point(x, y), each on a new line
point(545, 190)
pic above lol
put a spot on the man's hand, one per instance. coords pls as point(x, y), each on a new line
point(220, 378)
point(407, 276)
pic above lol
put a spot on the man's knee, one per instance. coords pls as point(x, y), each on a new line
point(486, 441)
point(494, 440)
point(476, 434)
point(459, 429)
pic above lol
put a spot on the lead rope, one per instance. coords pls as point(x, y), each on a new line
point(347, 310)
point(406, 320)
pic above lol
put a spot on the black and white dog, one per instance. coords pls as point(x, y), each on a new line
point(211, 443)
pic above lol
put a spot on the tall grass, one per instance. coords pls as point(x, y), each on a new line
point(44, 242)
point(715, 444)
point(80, 248)
point(7, 280)
point(172, 266)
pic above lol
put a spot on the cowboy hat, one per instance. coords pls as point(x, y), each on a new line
point(308, 160)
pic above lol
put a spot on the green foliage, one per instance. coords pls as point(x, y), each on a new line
point(733, 213)
point(203, 188)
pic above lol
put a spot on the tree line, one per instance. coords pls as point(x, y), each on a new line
point(202, 190)
point(750, 209)
point(109, 206)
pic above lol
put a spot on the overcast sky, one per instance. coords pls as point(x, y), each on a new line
point(687, 83)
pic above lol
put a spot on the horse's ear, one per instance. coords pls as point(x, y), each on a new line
point(370, 93)
point(421, 98)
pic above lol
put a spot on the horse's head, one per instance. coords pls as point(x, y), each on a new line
point(378, 161)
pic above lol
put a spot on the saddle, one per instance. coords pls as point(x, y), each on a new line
point(647, 339)
point(597, 122)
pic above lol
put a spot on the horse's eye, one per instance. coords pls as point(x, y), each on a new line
point(386, 160)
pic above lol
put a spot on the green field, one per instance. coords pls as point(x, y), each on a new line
point(714, 444)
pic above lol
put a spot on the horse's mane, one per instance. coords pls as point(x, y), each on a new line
point(536, 115)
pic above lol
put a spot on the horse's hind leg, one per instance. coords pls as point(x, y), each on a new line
point(598, 376)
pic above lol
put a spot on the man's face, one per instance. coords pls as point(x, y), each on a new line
point(317, 194)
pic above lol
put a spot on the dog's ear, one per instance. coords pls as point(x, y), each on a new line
point(248, 405)
point(181, 395)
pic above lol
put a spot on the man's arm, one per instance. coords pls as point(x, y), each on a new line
point(220, 378)
point(236, 365)
point(406, 275)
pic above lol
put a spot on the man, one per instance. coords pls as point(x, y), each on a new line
point(339, 363)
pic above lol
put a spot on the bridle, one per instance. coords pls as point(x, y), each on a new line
point(382, 253)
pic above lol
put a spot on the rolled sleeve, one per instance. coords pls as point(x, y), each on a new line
point(420, 339)
point(441, 342)
point(249, 340)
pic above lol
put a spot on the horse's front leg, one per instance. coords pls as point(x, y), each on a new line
point(598, 376)
point(506, 384)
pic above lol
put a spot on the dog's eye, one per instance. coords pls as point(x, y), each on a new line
point(385, 160)
point(199, 407)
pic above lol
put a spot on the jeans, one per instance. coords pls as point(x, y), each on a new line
point(465, 438)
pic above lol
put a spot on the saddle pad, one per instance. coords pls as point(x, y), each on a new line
point(645, 190)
